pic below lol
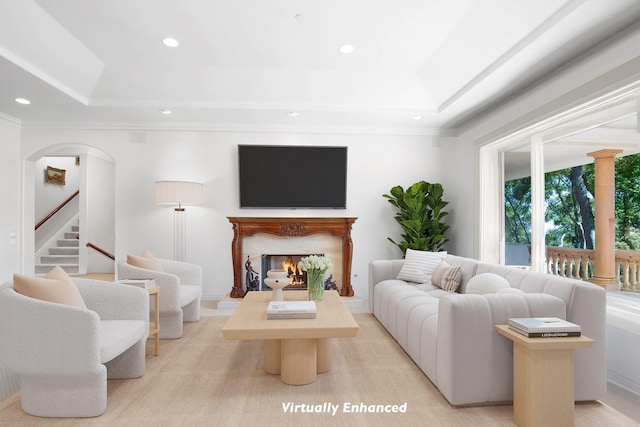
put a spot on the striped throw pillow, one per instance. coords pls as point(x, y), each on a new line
point(447, 277)
point(418, 266)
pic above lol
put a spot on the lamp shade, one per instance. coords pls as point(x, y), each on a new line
point(179, 192)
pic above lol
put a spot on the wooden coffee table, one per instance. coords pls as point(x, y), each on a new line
point(296, 349)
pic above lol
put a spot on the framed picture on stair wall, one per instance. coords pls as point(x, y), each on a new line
point(55, 175)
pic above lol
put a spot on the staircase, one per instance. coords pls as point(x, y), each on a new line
point(65, 253)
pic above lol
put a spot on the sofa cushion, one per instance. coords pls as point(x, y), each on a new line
point(188, 293)
point(56, 286)
point(116, 336)
point(426, 287)
point(486, 283)
point(418, 266)
point(510, 291)
point(146, 261)
point(447, 277)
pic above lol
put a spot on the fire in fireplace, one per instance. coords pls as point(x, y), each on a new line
point(289, 263)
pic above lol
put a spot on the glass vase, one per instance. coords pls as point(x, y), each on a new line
point(315, 285)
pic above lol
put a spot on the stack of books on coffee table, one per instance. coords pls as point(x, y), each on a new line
point(291, 310)
point(544, 327)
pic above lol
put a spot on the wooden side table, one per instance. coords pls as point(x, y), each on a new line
point(154, 327)
point(543, 378)
point(154, 292)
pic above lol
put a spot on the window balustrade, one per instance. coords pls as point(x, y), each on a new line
point(578, 264)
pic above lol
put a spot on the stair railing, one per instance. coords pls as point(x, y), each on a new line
point(54, 211)
point(102, 251)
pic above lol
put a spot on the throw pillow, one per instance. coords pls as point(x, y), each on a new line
point(436, 277)
point(418, 266)
point(56, 286)
point(146, 261)
point(447, 277)
point(486, 283)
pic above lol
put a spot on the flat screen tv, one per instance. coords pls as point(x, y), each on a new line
point(280, 176)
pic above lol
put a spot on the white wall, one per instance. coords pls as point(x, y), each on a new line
point(623, 344)
point(98, 220)
point(460, 191)
point(376, 163)
point(11, 206)
point(10, 214)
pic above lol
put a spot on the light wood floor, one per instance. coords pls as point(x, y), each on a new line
point(204, 380)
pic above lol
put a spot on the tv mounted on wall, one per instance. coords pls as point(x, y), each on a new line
point(280, 176)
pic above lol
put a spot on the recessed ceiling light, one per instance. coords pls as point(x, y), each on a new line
point(23, 101)
point(292, 114)
point(417, 117)
point(346, 49)
point(165, 111)
point(299, 17)
point(170, 42)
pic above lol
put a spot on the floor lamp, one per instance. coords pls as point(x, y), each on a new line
point(180, 193)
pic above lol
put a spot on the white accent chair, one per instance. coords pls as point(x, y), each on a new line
point(180, 292)
point(9, 383)
point(64, 354)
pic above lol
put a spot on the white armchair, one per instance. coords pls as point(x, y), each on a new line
point(180, 292)
point(64, 354)
point(9, 383)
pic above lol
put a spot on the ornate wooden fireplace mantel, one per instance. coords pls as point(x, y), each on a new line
point(248, 226)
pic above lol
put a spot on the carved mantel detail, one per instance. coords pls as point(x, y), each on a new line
point(291, 227)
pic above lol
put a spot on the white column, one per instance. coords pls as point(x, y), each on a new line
point(490, 194)
point(537, 205)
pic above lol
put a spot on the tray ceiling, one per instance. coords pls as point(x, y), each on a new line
point(417, 67)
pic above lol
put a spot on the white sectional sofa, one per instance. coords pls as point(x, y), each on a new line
point(452, 336)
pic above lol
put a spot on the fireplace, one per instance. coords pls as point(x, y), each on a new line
point(289, 263)
point(330, 236)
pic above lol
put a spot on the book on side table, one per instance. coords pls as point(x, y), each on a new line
point(291, 310)
point(544, 327)
point(140, 283)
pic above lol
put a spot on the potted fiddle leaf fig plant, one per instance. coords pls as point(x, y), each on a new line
point(420, 214)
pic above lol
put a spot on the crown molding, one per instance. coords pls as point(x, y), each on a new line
point(250, 128)
point(10, 119)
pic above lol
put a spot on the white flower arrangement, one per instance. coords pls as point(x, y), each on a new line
point(314, 263)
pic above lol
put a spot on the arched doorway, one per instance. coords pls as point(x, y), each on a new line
point(91, 172)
